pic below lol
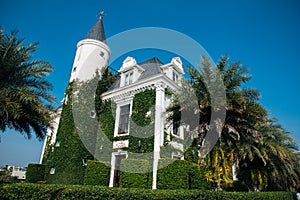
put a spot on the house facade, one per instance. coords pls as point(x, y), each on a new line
point(133, 79)
point(92, 56)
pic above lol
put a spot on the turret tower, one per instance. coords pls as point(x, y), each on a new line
point(92, 53)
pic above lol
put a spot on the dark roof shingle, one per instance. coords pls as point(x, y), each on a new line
point(97, 32)
point(151, 67)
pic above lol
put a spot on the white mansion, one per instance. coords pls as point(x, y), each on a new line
point(93, 55)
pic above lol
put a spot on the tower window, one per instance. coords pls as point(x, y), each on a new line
point(52, 170)
point(124, 119)
point(92, 114)
point(128, 78)
point(101, 53)
point(57, 144)
point(74, 69)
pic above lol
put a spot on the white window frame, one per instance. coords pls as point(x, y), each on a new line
point(180, 132)
point(128, 78)
point(118, 112)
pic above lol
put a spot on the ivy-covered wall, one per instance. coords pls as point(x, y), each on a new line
point(77, 132)
point(141, 125)
point(66, 158)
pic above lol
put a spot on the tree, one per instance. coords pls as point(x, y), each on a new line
point(262, 151)
point(25, 102)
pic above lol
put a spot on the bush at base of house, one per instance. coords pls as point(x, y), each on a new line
point(35, 173)
point(97, 173)
point(179, 174)
point(37, 191)
point(134, 173)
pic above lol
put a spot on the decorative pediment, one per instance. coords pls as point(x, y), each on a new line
point(177, 63)
point(127, 64)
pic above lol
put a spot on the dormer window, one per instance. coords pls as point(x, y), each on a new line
point(130, 72)
point(128, 78)
point(175, 76)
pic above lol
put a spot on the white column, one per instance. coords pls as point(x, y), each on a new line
point(158, 128)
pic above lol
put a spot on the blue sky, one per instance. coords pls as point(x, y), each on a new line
point(261, 34)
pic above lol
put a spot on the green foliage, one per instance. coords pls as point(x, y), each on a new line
point(58, 192)
point(67, 159)
point(107, 118)
point(179, 174)
point(197, 179)
point(79, 134)
point(105, 132)
point(106, 80)
point(35, 173)
point(97, 173)
point(141, 123)
point(5, 176)
point(134, 173)
point(141, 127)
point(25, 102)
point(236, 186)
point(143, 102)
point(263, 151)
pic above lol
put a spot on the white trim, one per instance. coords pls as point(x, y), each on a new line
point(124, 102)
point(112, 165)
point(130, 90)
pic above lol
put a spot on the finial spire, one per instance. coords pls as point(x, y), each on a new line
point(101, 14)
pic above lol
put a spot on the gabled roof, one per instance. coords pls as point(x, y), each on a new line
point(97, 32)
point(151, 67)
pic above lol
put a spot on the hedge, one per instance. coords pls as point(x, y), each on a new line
point(35, 173)
point(179, 174)
point(42, 191)
point(97, 173)
point(134, 173)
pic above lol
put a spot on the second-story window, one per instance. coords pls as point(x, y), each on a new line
point(124, 119)
point(128, 78)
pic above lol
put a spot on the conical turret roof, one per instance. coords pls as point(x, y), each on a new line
point(97, 32)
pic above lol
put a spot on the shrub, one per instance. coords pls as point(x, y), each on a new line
point(179, 174)
point(172, 174)
point(134, 173)
point(35, 173)
point(197, 179)
point(97, 173)
point(35, 191)
point(236, 186)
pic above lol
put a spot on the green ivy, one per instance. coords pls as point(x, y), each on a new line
point(141, 124)
point(67, 158)
point(77, 144)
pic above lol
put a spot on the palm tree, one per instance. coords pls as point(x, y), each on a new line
point(262, 151)
point(271, 164)
point(24, 98)
point(242, 112)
